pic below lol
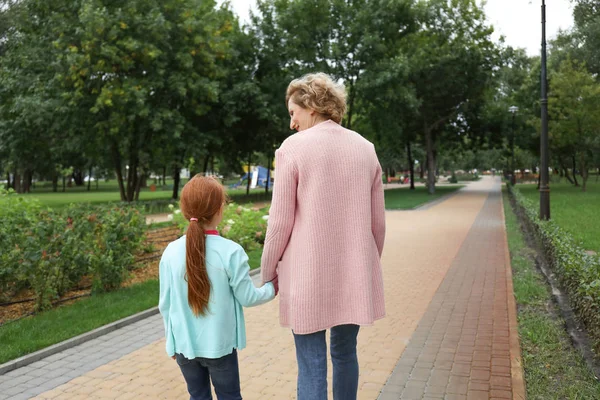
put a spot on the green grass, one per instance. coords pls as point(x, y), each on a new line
point(33, 333)
point(553, 368)
point(575, 211)
point(109, 192)
point(59, 200)
point(405, 199)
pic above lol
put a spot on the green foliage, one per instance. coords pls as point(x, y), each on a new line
point(242, 224)
point(50, 251)
point(577, 271)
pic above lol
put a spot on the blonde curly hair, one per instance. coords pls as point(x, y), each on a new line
point(318, 92)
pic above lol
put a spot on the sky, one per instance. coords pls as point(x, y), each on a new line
point(519, 21)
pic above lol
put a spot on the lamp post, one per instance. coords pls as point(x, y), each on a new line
point(544, 187)
point(513, 179)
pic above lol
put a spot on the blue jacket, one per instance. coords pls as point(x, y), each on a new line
point(222, 329)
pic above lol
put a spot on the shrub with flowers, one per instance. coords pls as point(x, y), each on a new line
point(242, 224)
point(49, 251)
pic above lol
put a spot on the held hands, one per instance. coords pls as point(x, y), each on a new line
point(275, 283)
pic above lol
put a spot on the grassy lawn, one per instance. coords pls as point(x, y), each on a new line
point(405, 199)
point(575, 211)
point(45, 329)
point(553, 368)
point(109, 192)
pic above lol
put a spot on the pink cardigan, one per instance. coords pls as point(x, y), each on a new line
point(326, 230)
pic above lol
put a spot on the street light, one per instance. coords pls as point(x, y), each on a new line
point(513, 179)
point(544, 187)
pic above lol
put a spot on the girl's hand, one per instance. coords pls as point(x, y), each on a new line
point(174, 358)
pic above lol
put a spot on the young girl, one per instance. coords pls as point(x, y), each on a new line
point(204, 283)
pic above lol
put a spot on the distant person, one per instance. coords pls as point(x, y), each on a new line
point(325, 238)
point(204, 283)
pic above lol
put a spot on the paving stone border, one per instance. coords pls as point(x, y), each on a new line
point(77, 340)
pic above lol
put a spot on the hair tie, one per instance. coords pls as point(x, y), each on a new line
point(194, 219)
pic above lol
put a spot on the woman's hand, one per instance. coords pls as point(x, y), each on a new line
point(275, 283)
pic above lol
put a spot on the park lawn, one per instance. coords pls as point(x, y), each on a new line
point(59, 199)
point(405, 199)
point(553, 368)
point(107, 195)
point(575, 211)
point(45, 329)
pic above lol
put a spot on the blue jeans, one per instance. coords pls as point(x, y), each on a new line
point(311, 352)
point(224, 373)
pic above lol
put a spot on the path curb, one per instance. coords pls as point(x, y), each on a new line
point(516, 362)
point(77, 340)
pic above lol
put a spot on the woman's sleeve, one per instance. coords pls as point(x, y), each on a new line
point(240, 282)
point(281, 215)
point(378, 209)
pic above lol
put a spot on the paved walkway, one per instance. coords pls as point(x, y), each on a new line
point(449, 331)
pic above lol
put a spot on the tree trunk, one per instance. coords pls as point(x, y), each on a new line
point(430, 162)
point(597, 174)
point(351, 97)
point(584, 172)
point(8, 180)
point(205, 166)
point(90, 179)
point(539, 181)
point(421, 171)
point(164, 175)
point(78, 177)
point(140, 181)
point(411, 165)
point(25, 187)
point(118, 169)
point(249, 174)
point(17, 181)
point(566, 174)
point(176, 179)
point(64, 183)
point(574, 173)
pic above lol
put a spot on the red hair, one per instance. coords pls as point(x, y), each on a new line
point(202, 198)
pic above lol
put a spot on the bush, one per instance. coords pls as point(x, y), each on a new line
point(578, 272)
point(241, 224)
point(50, 251)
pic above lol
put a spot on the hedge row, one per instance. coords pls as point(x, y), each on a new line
point(578, 272)
point(50, 251)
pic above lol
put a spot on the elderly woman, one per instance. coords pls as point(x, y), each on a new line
point(325, 236)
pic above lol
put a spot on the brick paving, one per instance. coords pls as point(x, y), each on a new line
point(461, 348)
point(419, 258)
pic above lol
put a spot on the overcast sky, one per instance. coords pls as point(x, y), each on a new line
point(519, 21)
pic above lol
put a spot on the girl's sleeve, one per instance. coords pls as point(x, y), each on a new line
point(240, 282)
point(164, 302)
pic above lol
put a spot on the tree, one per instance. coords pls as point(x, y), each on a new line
point(574, 104)
point(451, 61)
point(139, 72)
